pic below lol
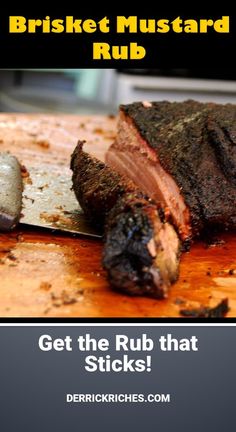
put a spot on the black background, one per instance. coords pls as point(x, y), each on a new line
point(171, 50)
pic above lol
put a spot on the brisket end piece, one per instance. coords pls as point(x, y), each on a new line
point(97, 187)
point(183, 155)
point(141, 250)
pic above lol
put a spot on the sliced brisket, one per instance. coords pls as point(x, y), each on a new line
point(141, 252)
point(183, 155)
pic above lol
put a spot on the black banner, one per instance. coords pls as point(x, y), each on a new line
point(75, 38)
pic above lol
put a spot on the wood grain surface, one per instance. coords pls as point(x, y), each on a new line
point(45, 274)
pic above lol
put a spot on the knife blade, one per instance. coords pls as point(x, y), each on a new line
point(47, 199)
point(10, 191)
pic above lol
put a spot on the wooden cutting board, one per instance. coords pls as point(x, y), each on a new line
point(43, 274)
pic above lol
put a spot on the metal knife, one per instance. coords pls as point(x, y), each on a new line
point(44, 200)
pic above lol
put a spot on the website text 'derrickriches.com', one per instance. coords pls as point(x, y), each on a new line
point(118, 398)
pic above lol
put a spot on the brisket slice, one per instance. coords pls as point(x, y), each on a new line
point(184, 156)
point(141, 251)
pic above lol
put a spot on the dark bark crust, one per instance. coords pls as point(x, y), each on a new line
point(132, 223)
point(196, 145)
